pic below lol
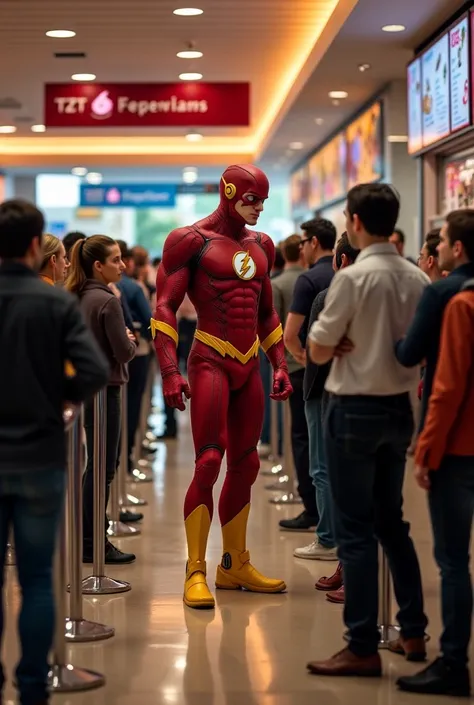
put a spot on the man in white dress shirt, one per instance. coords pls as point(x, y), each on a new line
point(369, 426)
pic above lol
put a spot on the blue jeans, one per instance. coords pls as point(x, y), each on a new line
point(31, 504)
point(366, 442)
point(319, 472)
point(451, 501)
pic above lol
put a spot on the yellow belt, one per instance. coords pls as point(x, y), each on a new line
point(223, 347)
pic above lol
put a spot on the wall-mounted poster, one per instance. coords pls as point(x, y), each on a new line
point(299, 189)
point(333, 161)
point(459, 75)
point(315, 196)
point(435, 82)
point(364, 148)
point(415, 113)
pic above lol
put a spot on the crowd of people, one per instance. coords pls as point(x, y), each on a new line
point(364, 328)
point(359, 344)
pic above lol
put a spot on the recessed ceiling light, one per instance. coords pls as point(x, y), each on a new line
point(338, 95)
point(194, 137)
point(190, 177)
point(38, 128)
point(393, 28)
point(336, 103)
point(188, 11)
point(190, 170)
point(364, 67)
point(83, 77)
point(190, 76)
point(7, 129)
point(398, 139)
point(296, 145)
point(93, 177)
point(79, 171)
point(60, 33)
point(189, 54)
point(319, 121)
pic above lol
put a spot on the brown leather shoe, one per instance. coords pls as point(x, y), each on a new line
point(332, 583)
point(346, 663)
point(412, 649)
point(338, 597)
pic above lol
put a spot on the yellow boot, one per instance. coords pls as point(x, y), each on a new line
point(196, 592)
point(236, 572)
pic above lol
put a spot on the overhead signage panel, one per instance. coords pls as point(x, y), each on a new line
point(99, 105)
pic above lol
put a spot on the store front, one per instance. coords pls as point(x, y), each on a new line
point(441, 120)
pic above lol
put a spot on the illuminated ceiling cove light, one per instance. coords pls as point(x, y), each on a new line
point(364, 67)
point(61, 33)
point(190, 76)
point(296, 145)
point(38, 128)
point(7, 129)
point(83, 77)
point(319, 121)
point(188, 11)
point(398, 139)
point(338, 95)
point(194, 137)
point(79, 171)
point(189, 54)
point(94, 178)
point(393, 28)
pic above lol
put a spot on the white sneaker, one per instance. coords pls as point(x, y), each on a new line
point(316, 552)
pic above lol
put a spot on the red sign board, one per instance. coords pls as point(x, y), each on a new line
point(147, 104)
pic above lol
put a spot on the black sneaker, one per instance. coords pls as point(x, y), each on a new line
point(439, 678)
point(130, 517)
point(303, 522)
point(113, 556)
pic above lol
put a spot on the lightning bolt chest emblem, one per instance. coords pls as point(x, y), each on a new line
point(244, 265)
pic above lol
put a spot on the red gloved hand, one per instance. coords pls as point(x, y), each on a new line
point(281, 385)
point(420, 388)
point(174, 386)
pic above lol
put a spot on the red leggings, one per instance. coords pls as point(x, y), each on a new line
point(226, 417)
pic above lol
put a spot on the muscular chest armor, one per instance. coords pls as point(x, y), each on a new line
point(225, 288)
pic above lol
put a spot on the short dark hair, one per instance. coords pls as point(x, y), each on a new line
point(344, 247)
point(125, 250)
point(461, 229)
point(156, 261)
point(432, 241)
point(20, 223)
point(279, 262)
point(400, 234)
point(378, 207)
point(323, 230)
point(70, 240)
point(291, 248)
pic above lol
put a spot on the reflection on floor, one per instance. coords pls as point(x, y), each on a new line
point(253, 649)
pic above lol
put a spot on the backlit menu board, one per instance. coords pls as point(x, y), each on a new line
point(415, 113)
point(299, 189)
point(435, 95)
point(315, 197)
point(333, 157)
point(459, 75)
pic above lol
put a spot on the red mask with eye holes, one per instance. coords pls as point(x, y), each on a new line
point(238, 180)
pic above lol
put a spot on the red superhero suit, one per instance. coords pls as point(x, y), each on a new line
point(225, 269)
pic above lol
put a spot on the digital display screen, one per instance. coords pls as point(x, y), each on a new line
point(415, 113)
point(459, 75)
point(364, 148)
point(299, 189)
point(435, 96)
point(315, 167)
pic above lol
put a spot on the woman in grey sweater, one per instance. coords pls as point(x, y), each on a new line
point(96, 263)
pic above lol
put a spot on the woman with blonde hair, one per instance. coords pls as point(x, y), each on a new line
point(96, 262)
point(55, 265)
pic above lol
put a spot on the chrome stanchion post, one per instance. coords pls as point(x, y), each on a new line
point(98, 583)
point(10, 558)
point(290, 495)
point(77, 628)
point(138, 474)
point(117, 527)
point(274, 457)
point(388, 631)
point(63, 676)
point(126, 499)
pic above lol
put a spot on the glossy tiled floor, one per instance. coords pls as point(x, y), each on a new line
point(253, 649)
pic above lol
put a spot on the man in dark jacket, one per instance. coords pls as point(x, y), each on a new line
point(40, 328)
point(456, 255)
